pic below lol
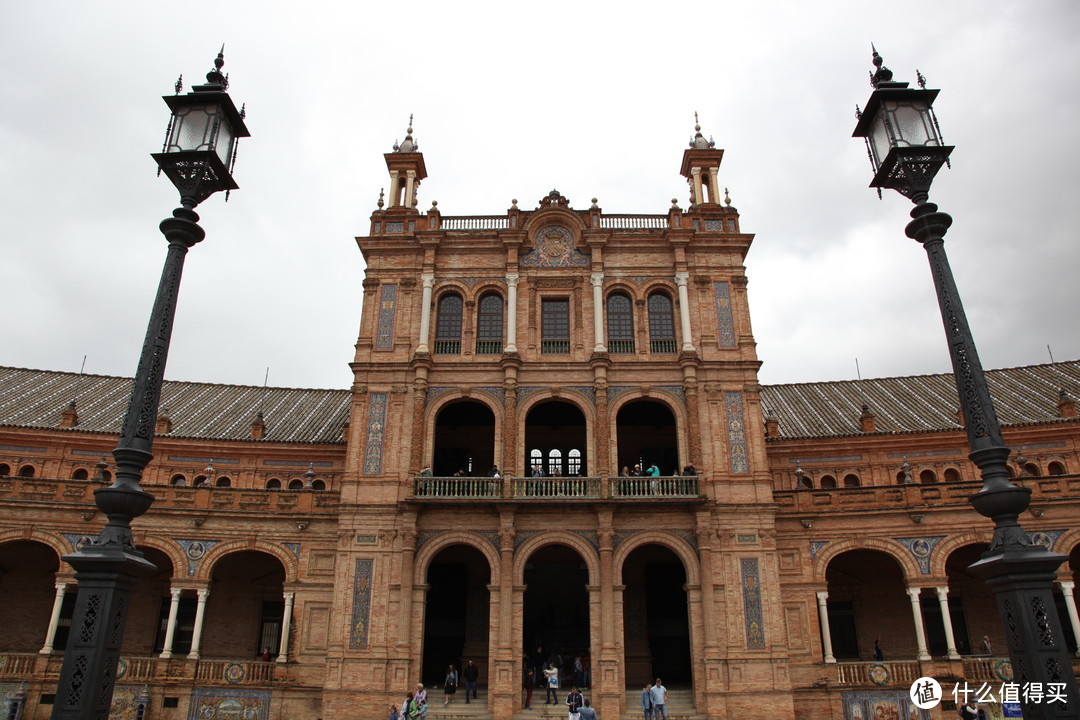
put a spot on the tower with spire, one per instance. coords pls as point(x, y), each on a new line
point(700, 167)
point(406, 166)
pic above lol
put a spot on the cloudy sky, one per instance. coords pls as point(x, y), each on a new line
point(513, 99)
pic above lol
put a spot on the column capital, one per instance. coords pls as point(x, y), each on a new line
point(176, 592)
point(942, 592)
point(695, 171)
point(203, 594)
point(1067, 585)
point(428, 279)
point(822, 596)
point(913, 593)
point(512, 279)
point(289, 595)
point(681, 278)
point(597, 279)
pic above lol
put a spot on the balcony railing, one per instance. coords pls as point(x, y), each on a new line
point(24, 666)
point(662, 347)
point(447, 347)
point(488, 347)
point(620, 347)
point(676, 487)
point(555, 347)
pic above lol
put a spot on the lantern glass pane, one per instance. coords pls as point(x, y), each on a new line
point(192, 128)
point(223, 144)
point(880, 139)
point(913, 126)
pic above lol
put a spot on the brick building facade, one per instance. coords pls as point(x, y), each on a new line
point(476, 494)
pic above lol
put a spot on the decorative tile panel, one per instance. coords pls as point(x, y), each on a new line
point(870, 705)
point(714, 225)
point(229, 703)
point(589, 537)
point(690, 536)
point(294, 548)
point(751, 588)
point(361, 604)
point(1046, 538)
point(733, 404)
point(725, 321)
point(921, 548)
point(424, 536)
point(817, 546)
point(77, 541)
point(384, 335)
point(194, 550)
point(376, 433)
point(395, 227)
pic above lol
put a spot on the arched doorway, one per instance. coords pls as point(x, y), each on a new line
point(555, 619)
point(464, 439)
point(656, 620)
point(868, 601)
point(555, 439)
point(646, 436)
point(971, 604)
point(456, 613)
point(246, 606)
point(27, 589)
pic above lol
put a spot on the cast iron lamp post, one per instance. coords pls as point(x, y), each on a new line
point(906, 152)
point(198, 156)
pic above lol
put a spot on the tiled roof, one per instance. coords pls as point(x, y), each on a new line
point(918, 403)
point(36, 398)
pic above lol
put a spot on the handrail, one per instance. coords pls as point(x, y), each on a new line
point(558, 488)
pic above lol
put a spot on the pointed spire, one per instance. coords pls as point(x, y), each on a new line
point(408, 145)
point(381, 201)
point(698, 142)
point(214, 77)
point(882, 74)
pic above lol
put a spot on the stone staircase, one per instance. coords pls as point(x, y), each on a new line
point(680, 706)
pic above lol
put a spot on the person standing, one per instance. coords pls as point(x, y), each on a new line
point(646, 702)
point(450, 684)
point(879, 654)
point(987, 648)
point(587, 712)
point(528, 684)
point(551, 679)
point(472, 674)
point(659, 698)
point(574, 701)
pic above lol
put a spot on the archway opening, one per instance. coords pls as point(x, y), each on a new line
point(555, 439)
point(867, 602)
point(656, 619)
point(464, 439)
point(149, 603)
point(456, 613)
point(28, 571)
point(555, 619)
point(971, 604)
point(246, 606)
point(646, 436)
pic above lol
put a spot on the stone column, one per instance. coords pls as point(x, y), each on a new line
point(410, 188)
point(395, 191)
point(425, 312)
point(714, 185)
point(826, 632)
point(200, 614)
point(286, 626)
point(54, 619)
point(920, 632)
point(695, 176)
point(598, 312)
point(170, 626)
point(511, 311)
point(684, 311)
point(946, 618)
point(1067, 589)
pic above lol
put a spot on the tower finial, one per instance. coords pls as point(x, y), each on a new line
point(214, 77)
point(882, 74)
point(697, 123)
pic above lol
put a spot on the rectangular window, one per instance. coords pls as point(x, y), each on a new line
point(555, 326)
point(273, 614)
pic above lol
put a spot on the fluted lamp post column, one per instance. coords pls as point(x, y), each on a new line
point(906, 152)
point(198, 157)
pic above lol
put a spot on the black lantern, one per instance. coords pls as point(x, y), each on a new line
point(902, 135)
point(200, 142)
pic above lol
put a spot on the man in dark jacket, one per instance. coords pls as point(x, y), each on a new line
point(472, 674)
point(574, 701)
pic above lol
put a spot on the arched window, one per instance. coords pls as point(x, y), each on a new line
point(1032, 469)
point(489, 325)
point(106, 475)
point(827, 481)
point(448, 325)
point(852, 480)
point(573, 462)
point(223, 482)
point(273, 484)
point(806, 482)
point(900, 479)
point(620, 324)
point(178, 480)
point(81, 474)
point(1011, 471)
point(199, 480)
point(296, 484)
point(1054, 468)
point(555, 462)
point(318, 485)
point(661, 324)
point(927, 477)
point(952, 475)
point(26, 471)
point(5, 469)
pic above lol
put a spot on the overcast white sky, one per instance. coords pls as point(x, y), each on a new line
point(511, 100)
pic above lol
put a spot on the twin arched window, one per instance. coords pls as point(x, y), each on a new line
point(620, 324)
point(489, 325)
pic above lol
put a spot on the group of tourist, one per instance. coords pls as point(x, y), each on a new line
point(415, 705)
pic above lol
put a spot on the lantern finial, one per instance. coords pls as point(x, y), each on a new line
point(214, 77)
point(882, 74)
